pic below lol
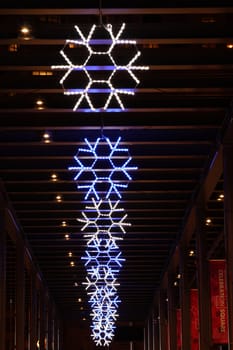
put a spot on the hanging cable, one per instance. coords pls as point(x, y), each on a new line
point(100, 13)
point(102, 127)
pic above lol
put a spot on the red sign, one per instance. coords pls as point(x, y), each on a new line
point(194, 319)
point(218, 294)
point(178, 329)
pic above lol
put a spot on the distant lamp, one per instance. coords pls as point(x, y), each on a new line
point(46, 137)
point(208, 221)
point(54, 177)
point(40, 104)
point(191, 253)
point(25, 32)
point(59, 198)
point(220, 197)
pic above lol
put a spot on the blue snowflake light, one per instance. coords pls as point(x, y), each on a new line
point(106, 173)
point(107, 50)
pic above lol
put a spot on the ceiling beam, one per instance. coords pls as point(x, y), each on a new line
point(125, 143)
point(145, 41)
point(116, 110)
point(209, 91)
point(117, 11)
point(159, 67)
point(155, 156)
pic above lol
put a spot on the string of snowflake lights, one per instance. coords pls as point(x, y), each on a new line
point(107, 47)
point(104, 166)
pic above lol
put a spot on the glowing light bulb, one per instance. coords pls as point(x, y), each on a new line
point(46, 137)
point(59, 198)
point(208, 222)
point(54, 177)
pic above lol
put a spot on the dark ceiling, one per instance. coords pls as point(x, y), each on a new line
point(171, 126)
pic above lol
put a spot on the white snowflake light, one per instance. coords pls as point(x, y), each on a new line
point(107, 84)
point(104, 217)
point(104, 303)
point(102, 170)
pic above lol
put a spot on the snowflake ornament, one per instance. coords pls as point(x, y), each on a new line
point(106, 219)
point(107, 47)
point(106, 167)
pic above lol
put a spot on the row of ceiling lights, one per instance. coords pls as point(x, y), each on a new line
point(220, 198)
point(191, 252)
point(54, 178)
point(70, 253)
point(25, 33)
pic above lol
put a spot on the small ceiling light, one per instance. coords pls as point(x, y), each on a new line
point(175, 283)
point(208, 46)
point(59, 198)
point(64, 224)
point(25, 32)
point(178, 276)
point(81, 308)
point(72, 263)
point(208, 222)
point(67, 236)
point(208, 20)
point(220, 197)
point(84, 318)
point(54, 177)
point(75, 284)
point(191, 253)
point(70, 254)
point(40, 104)
point(42, 73)
point(13, 48)
point(72, 45)
point(79, 300)
point(230, 46)
point(46, 137)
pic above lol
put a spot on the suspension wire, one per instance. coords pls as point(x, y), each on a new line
point(100, 13)
point(102, 127)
